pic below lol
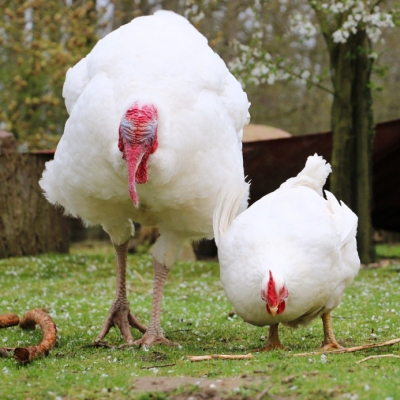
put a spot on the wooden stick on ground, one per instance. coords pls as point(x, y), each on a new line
point(221, 356)
point(25, 355)
point(7, 320)
point(351, 349)
point(377, 356)
point(160, 366)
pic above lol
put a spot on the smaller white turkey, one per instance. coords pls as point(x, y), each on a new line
point(289, 257)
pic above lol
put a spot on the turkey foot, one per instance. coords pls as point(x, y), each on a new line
point(273, 340)
point(148, 339)
point(119, 314)
point(154, 333)
point(330, 343)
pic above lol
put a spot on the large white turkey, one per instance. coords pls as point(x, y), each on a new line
point(154, 134)
point(289, 257)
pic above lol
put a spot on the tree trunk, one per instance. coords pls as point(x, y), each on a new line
point(29, 224)
point(352, 128)
point(364, 131)
point(343, 152)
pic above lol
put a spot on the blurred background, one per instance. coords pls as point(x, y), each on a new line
point(41, 39)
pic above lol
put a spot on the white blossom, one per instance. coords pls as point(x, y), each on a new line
point(359, 17)
point(301, 25)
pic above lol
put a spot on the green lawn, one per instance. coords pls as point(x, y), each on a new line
point(77, 290)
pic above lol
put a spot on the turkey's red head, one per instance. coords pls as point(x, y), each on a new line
point(137, 140)
point(274, 295)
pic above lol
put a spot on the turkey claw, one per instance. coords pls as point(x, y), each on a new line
point(127, 344)
point(331, 347)
point(149, 340)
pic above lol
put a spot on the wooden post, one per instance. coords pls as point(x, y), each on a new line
point(28, 223)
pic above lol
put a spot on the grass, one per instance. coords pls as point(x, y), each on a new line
point(390, 250)
point(77, 290)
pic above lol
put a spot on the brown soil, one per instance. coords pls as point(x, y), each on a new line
point(201, 388)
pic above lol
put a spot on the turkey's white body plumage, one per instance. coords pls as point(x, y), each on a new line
point(201, 107)
point(304, 239)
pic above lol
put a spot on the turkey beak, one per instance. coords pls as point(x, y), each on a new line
point(133, 156)
point(273, 310)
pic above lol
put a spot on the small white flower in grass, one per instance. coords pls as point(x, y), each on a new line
point(103, 375)
point(6, 371)
point(324, 359)
point(366, 387)
point(4, 339)
point(350, 396)
point(155, 370)
point(293, 387)
point(91, 268)
point(310, 360)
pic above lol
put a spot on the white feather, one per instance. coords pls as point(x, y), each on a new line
point(227, 209)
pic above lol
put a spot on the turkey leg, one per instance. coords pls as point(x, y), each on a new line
point(154, 333)
point(329, 342)
point(119, 314)
point(273, 340)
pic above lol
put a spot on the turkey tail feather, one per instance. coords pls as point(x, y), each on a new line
point(313, 175)
point(226, 209)
point(345, 219)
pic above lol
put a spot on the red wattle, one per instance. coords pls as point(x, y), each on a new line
point(281, 307)
point(136, 173)
point(137, 140)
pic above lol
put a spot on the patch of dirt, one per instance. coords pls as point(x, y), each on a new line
point(199, 388)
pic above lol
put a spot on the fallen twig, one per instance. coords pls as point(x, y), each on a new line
point(351, 349)
point(159, 366)
point(7, 320)
point(99, 344)
point(265, 392)
point(139, 276)
point(377, 356)
point(25, 355)
point(221, 356)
